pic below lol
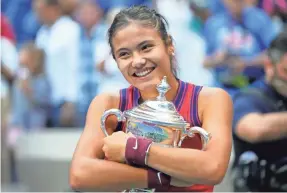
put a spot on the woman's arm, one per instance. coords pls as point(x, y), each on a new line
point(201, 167)
point(88, 169)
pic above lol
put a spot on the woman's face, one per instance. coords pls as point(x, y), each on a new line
point(142, 56)
point(234, 6)
point(88, 14)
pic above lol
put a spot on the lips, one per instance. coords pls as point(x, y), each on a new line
point(144, 72)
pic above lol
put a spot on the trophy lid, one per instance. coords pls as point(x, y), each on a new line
point(159, 111)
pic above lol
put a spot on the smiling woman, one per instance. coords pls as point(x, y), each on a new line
point(144, 53)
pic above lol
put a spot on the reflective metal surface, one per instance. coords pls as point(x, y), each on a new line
point(157, 120)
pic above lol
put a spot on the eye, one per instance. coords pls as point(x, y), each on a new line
point(123, 55)
point(146, 47)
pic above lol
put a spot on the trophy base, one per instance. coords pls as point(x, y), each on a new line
point(140, 190)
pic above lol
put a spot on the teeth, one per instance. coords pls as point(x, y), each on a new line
point(143, 73)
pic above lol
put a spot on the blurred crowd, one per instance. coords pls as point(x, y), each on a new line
point(55, 55)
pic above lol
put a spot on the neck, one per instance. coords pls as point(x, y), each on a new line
point(153, 93)
point(53, 20)
point(236, 16)
point(90, 29)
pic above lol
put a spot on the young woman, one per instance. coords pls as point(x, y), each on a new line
point(144, 53)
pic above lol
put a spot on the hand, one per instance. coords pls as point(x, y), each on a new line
point(236, 64)
point(220, 57)
point(101, 67)
point(25, 86)
point(179, 183)
point(115, 146)
point(67, 115)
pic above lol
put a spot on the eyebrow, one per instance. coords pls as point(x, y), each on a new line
point(143, 43)
point(139, 45)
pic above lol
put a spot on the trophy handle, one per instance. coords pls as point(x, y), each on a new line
point(116, 112)
point(204, 135)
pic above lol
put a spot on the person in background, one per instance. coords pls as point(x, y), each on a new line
point(9, 64)
point(69, 7)
point(111, 79)
point(236, 42)
point(202, 10)
point(59, 37)
point(277, 10)
point(190, 46)
point(31, 97)
point(93, 32)
point(22, 18)
point(260, 126)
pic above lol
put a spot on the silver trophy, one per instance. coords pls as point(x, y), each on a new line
point(157, 120)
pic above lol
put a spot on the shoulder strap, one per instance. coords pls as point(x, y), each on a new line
point(122, 105)
point(194, 106)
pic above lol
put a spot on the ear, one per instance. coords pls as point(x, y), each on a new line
point(284, 59)
point(268, 67)
point(170, 45)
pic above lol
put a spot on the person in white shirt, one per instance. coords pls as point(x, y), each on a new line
point(59, 37)
point(191, 46)
point(111, 78)
point(9, 64)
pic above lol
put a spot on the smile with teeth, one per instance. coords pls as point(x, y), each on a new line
point(144, 72)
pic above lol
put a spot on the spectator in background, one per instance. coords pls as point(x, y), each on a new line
point(69, 6)
point(9, 61)
point(9, 64)
point(111, 78)
point(31, 91)
point(277, 10)
point(22, 18)
point(93, 32)
point(190, 45)
point(202, 10)
point(260, 126)
point(59, 38)
point(236, 41)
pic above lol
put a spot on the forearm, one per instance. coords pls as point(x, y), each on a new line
point(210, 62)
point(256, 61)
point(258, 128)
point(190, 165)
point(102, 175)
point(275, 126)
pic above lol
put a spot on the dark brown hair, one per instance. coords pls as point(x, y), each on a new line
point(146, 17)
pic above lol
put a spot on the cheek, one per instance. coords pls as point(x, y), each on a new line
point(282, 73)
point(161, 58)
point(123, 66)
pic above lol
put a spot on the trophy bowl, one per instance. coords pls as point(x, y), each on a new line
point(157, 120)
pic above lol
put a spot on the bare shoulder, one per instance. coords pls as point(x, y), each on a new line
point(209, 94)
point(98, 106)
point(106, 101)
point(212, 96)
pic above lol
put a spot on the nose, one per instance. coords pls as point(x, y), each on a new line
point(138, 61)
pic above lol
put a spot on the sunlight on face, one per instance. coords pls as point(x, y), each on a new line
point(141, 55)
point(280, 77)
